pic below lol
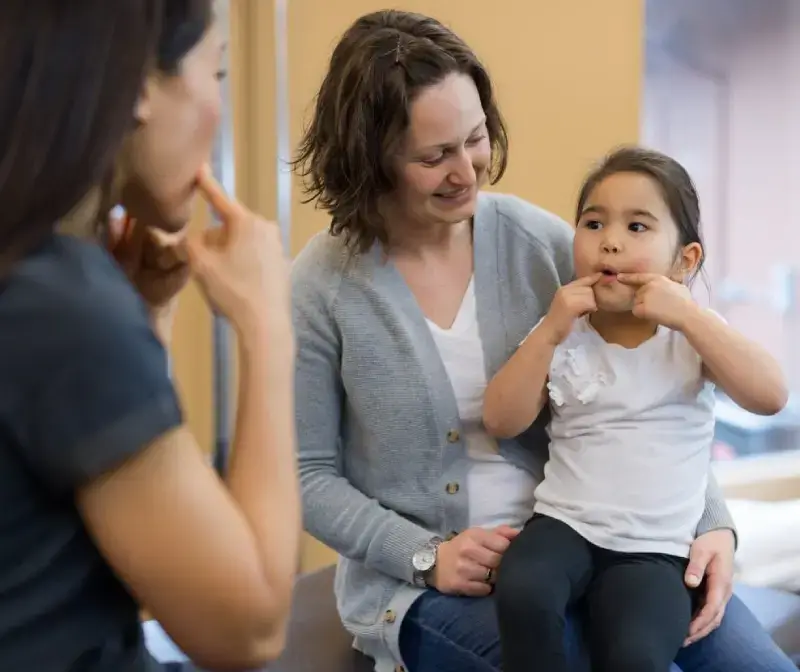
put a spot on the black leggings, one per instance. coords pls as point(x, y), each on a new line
point(637, 606)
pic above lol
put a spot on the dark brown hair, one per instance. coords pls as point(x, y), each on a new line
point(184, 24)
point(74, 71)
point(674, 181)
point(361, 113)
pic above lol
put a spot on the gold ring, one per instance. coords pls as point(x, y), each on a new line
point(489, 576)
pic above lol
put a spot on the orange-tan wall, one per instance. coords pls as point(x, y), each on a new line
point(252, 81)
point(568, 75)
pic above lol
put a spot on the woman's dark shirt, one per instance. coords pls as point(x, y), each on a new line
point(84, 386)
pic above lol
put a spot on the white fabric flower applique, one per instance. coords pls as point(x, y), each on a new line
point(574, 376)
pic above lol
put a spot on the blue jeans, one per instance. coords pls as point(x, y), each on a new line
point(443, 633)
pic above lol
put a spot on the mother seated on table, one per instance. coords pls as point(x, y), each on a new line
point(421, 289)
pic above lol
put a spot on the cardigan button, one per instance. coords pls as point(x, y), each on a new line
point(389, 617)
point(452, 488)
point(453, 436)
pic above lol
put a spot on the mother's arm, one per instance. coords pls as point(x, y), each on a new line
point(334, 511)
point(716, 515)
point(711, 559)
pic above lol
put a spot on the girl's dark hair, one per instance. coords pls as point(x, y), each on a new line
point(675, 183)
point(74, 71)
point(361, 112)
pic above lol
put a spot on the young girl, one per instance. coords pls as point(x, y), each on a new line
point(628, 362)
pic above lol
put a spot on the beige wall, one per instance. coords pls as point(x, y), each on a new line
point(567, 74)
point(568, 78)
point(252, 80)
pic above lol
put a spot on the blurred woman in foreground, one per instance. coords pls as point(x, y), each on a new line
point(106, 501)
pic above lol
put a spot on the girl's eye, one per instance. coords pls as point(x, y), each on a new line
point(593, 224)
point(637, 227)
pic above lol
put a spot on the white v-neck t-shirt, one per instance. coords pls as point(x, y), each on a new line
point(630, 441)
point(499, 493)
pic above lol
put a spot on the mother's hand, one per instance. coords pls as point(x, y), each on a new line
point(465, 565)
point(156, 263)
point(711, 558)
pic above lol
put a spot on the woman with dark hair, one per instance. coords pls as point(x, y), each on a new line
point(421, 290)
point(106, 502)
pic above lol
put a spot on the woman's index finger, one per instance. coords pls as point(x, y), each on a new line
point(215, 195)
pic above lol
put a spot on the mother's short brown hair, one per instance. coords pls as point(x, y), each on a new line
point(361, 113)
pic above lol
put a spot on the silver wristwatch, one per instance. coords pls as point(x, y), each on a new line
point(424, 561)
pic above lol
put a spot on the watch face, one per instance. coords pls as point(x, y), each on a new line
point(424, 560)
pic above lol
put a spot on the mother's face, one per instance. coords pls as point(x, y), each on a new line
point(178, 115)
point(446, 155)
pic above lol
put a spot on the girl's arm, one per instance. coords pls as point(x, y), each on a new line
point(745, 371)
point(517, 393)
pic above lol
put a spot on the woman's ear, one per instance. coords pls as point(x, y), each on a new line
point(144, 104)
point(688, 262)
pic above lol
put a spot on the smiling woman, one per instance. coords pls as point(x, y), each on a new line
point(434, 170)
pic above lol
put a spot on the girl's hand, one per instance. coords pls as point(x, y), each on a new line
point(659, 299)
point(570, 302)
